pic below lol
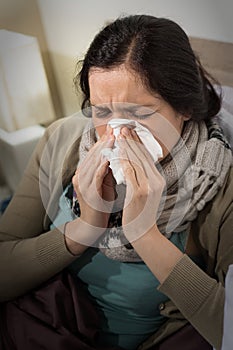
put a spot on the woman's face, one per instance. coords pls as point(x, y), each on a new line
point(120, 93)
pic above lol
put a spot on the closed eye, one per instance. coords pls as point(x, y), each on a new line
point(101, 112)
point(141, 115)
point(141, 112)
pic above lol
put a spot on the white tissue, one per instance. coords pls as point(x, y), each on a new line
point(145, 136)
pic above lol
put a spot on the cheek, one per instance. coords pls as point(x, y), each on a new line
point(100, 124)
point(100, 130)
point(99, 127)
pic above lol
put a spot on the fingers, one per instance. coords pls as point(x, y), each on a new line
point(138, 153)
point(100, 175)
point(132, 150)
point(94, 158)
point(89, 176)
point(143, 153)
point(132, 166)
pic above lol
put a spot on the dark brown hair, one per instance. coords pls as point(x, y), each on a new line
point(160, 52)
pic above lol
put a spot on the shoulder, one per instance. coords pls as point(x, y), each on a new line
point(74, 123)
point(222, 201)
point(225, 195)
point(61, 138)
point(210, 219)
point(61, 135)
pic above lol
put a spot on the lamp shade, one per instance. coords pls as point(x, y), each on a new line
point(25, 98)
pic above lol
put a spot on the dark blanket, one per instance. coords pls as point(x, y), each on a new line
point(60, 316)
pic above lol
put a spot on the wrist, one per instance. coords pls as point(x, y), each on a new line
point(74, 248)
point(79, 235)
point(158, 252)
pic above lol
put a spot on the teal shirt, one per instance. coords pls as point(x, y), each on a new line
point(125, 294)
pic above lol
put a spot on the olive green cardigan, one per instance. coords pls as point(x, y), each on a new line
point(30, 253)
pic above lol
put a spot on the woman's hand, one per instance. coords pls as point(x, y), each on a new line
point(144, 186)
point(94, 184)
point(95, 189)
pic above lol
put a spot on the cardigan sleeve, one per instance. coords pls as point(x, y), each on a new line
point(199, 297)
point(28, 254)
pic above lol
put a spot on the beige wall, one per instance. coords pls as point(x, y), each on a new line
point(23, 16)
point(217, 58)
point(65, 29)
point(70, 25)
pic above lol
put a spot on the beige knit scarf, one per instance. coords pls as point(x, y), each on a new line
point(194, 172)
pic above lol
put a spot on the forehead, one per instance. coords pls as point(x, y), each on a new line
point(117, 85)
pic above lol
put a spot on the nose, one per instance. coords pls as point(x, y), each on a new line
point(122, 114)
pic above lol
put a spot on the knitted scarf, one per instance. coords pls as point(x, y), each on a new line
point(194, 171)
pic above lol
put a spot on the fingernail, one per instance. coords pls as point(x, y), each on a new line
point(125, 131)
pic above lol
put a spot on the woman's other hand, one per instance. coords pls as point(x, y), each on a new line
point(94, 184)
point(95, 189)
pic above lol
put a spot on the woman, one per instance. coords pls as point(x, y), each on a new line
point(151, 254)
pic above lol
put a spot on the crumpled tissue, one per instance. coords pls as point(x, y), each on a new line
point(112, 154)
